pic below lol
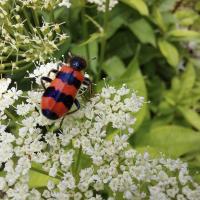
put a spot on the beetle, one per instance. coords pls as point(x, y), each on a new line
point(60, 95)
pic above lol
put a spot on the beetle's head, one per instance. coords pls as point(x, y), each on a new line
point(78, 63)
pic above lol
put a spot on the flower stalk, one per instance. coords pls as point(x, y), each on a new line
point(103, 39)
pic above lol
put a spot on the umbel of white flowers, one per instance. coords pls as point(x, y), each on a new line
point(90, 158)
point(32, 40)
point(21, 40)
point(51, 4)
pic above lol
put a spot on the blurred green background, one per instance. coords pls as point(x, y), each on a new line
point(153, 46)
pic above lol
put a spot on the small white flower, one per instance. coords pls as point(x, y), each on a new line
point(6, 151)
point(65, 3)
point(53, 172)
point(66, 159)
point(2, 183)
point(23, 109)
point(101, 4)
point(50, 185)
point(77, 196)
point(4, 84)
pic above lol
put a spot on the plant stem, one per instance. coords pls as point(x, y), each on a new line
point(28, 20)
point(10, 115)
point(78, 162)
point(103, 40)
point(10, 64)
point(16, 70)
point(85, 33)
point(35, 18)
point(177, 5)
point(52, 16)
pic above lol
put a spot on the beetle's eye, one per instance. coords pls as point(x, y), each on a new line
point(78, 63)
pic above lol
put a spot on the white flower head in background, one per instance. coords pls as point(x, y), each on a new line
point(66, 3)
point(101, 4)
point(45, 4)
point(89, 157)
point(29, 42)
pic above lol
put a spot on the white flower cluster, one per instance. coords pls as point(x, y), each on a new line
point(7, 96)
point(23, 41)
point(52, 4)
point(89, 157)
point(101, 4)
point(42, 70)
point(45, 4)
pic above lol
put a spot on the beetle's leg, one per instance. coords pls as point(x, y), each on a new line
point(88, 83)
point(77, 104)
point(55, 71)
point(44, 78)
point(59, 65)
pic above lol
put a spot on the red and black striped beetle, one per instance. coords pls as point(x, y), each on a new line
point(60, 95)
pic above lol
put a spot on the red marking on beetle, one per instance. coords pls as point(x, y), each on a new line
point(78, 75)
point(63, 87)
point(66, 69)
point(56, 107)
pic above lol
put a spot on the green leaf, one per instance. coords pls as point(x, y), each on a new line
point(167, 5)
point(170, 52)
point(143, 31)
point(114, 67)
point(150, 53)
point(38, 179)
point(171, 140)
point(195, 61)
point(158, 19)
point(184, 35)
point(197, 177)
point(186, 16)
point(176, 85)
point(191, 116)
point(92, 38)
point(117, 18)
point(125, 41)
point(187, 81)
point(139, 5)
point(197, 6)
point(114, 25)
point(77, 3)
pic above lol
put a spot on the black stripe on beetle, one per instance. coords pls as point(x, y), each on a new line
point(58, 96)
point(49, 114)
point(69, 79)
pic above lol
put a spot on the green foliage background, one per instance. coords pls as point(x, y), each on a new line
point(153, 47)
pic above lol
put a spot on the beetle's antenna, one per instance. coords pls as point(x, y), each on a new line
point(63, 58)
point(70, 54)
